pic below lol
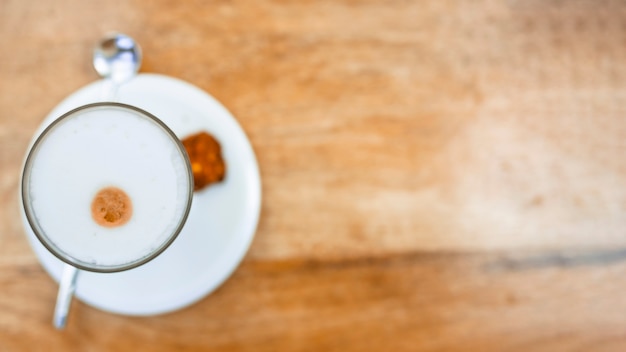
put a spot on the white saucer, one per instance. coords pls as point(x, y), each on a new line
point(223, 217)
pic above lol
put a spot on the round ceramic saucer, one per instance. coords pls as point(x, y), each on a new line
point(221, 223)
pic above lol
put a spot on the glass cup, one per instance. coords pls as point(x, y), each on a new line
point(106, 187)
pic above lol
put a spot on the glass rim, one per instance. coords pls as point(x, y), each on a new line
point(44, 239)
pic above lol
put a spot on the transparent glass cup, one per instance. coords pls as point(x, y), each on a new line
point(101, 146)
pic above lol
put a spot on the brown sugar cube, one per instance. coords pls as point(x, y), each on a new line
point(205, 155)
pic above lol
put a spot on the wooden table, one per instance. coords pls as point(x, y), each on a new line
point(437, 175)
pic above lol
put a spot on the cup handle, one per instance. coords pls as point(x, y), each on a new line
point(64, 297)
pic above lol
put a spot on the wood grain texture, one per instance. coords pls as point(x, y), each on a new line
point(437, 175)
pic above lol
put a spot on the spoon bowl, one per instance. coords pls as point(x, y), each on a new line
point(117, 57)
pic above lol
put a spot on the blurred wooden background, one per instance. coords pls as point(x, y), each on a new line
point(437, 175)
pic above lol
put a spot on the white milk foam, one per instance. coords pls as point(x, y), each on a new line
point(98, 148)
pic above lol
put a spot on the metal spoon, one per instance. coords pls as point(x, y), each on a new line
point(116, 58)
point(64, 297)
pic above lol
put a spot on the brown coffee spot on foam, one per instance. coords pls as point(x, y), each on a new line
point(111, 207)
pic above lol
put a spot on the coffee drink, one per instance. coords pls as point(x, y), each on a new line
point(107, 186)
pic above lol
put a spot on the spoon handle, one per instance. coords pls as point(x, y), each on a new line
point(64, 298)
point(109, 90)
